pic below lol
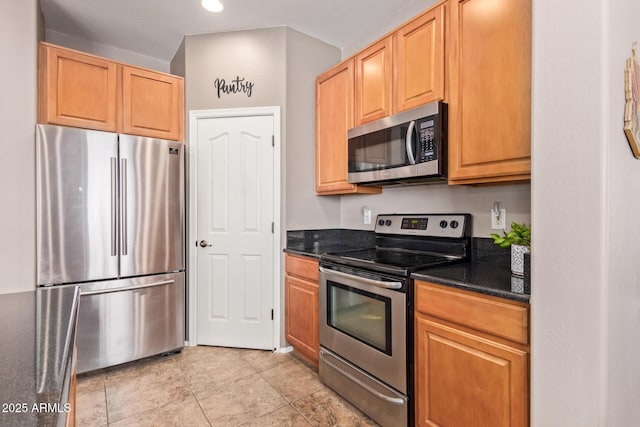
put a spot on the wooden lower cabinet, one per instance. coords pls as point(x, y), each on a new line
point(465, 380)
point(465, 377)
point(301, 306)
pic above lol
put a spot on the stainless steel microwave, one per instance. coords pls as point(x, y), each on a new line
point(406, 148)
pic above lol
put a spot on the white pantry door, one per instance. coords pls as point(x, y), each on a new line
point(235, 210)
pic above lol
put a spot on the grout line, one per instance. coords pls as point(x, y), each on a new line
point(301, 414)
point(106, 401)
point(176, 361)
point(201, 408)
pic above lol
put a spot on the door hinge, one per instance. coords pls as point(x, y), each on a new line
point(273, 140)
point(272, 314)
point(273, 227)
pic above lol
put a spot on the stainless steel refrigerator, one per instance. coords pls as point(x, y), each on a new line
point(110, 218)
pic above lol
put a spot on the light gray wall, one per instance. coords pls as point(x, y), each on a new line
point(257, 55)
point(106, 51)
point(306, 58)
point(441, 198)
point(282, 63)
point(178, 63)
point(622, 205)
point(18, 46)
point(569, 247)
point(586, 293)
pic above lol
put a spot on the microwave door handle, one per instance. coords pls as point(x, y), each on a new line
point(409, 142)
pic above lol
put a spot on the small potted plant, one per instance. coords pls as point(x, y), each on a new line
point(519, 239)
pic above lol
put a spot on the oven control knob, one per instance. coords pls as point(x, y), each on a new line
point(454, 224)
point(381, 222)
point(443, 224)
point(387, 222)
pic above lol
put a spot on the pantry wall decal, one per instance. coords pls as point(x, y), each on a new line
point(237, 85)
point(632, 96)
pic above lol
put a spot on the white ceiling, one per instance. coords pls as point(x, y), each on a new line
point(155, 27)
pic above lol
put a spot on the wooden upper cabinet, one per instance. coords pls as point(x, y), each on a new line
point(86, 91)
point(490, 91)
point(152, 103)
point(76, 89)
point(374, 82)
point(334, 116)
point(419, 60)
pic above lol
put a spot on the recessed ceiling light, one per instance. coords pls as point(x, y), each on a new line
point(213, 5)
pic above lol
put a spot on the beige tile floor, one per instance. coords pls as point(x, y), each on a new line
point(212, 386)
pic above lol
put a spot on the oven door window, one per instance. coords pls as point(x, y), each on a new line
point(362, 315)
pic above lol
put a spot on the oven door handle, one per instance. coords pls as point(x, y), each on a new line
point(377, 283)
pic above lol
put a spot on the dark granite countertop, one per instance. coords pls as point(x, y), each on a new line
point(314, 243)
point(488, 273)
point(37, 332)
point(489, 279)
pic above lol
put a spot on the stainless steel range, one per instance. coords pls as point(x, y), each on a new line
point(366, 310)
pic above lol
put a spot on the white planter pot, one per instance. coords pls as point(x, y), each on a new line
point(517, 259)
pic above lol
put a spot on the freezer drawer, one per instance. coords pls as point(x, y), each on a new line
point(124, 320)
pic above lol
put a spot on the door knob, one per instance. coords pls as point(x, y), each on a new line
point(204, 244)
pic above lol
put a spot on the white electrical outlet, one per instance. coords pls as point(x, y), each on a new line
point(366, 212)
point(499, 221)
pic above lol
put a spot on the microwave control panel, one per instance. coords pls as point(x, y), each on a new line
point(426, 140)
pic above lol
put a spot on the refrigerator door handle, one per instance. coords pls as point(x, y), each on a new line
point(114, 206)
point(127, 288)
point(123, 206)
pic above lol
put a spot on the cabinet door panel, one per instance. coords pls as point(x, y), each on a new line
point(373, 82)
point(152, 104)
point(419, 60)
point(463, 379)
point(76, 90)
point(490, 126)
point(334, 116)
point(301, 326)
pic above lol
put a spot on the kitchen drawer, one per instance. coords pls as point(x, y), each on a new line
point(301, 266)
point(495, 316)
